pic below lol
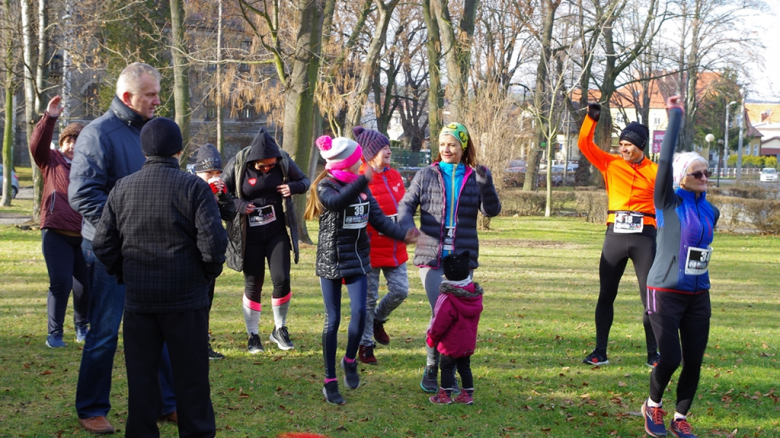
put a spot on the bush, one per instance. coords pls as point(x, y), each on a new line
point(761, 215)
point(592, 205)
point(520, 203)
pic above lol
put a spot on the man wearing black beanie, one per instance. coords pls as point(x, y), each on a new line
point(161, 235)
point(631, 228)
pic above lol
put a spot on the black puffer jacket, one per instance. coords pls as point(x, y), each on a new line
point(263, 146)
point(344, 252)
point(477, 193)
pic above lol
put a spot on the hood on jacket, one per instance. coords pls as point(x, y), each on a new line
point(468, 300)
point(263, 146)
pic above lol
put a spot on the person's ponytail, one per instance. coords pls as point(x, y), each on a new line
point(313, 205)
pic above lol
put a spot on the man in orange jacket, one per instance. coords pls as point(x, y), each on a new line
point(631, 228)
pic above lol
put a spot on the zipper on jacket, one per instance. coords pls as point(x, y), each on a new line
point(53, 199)
point(360, 259)
point(668, 270)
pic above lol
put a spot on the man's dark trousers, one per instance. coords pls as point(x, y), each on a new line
point(184, 334)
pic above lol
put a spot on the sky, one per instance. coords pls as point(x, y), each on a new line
point(765, 82)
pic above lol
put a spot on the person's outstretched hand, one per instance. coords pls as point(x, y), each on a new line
point(594, 111)
point(411, 236)
point(54, 109)
point(674, 102)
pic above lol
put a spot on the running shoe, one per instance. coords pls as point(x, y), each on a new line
point(464, 398)
point(254, 345)
point(442, 398)
point(429, 382)
point(596, 358)
point(282, 338)
point(366, 354)
point(332, 394)
point(379, 332)
point(681, 429)
point(54, 340)
point(654, 420)
point(214, 355)
point(652, 359)
point(81, 333)
point(351, 376)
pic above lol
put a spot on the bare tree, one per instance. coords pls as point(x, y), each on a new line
point(9, 17)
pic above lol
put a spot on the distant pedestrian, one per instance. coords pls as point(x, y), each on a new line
point(161, 235)
point(453, 329)
point(60, 228)
point(340, 199)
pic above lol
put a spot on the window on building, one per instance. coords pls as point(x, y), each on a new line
point(56, 63)
point(656, 120)
point(245, 46)
point(247, 112)
point(92, 101)
point(211, 111)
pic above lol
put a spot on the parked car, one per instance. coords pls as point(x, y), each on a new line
point(407, 174)
point(14, 182)
point(768, 174)
point(559, 167)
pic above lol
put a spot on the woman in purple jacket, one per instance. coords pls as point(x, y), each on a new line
point(60, 227)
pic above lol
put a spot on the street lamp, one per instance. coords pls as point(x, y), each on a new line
point(709, 138)
point(720, 156)
point(733, 102)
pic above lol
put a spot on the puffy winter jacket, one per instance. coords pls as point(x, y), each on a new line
point(453, 329)
point(55, 210)
point(107, 149)
point(684, 222)
point(343, 248)
point(388, 189)
point(477, 193)
point(233, 177)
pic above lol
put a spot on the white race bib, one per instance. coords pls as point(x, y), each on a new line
point(356, 216)
point(628, 222)
point(698, 260)
point(449, 238)
point(262, 216)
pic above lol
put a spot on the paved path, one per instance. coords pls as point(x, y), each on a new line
point(16, 218)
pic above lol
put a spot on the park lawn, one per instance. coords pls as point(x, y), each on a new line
point(541, 283)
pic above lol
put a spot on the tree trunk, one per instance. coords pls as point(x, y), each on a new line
point(8, 134)
point(181, 76)
point(435, 94)
point(299, 95)
point(218, 93)
point(30, 97)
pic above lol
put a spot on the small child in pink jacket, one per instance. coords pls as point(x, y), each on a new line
point(453, 329)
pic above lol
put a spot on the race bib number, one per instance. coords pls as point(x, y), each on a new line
point(698, 260)
point(262, 216)
point(449, 239)
point(393, 218)
point(627, 222)
point(356, 216)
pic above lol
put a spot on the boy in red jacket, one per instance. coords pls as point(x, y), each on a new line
point(453, 329)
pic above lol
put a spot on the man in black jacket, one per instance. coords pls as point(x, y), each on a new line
point(161, 234)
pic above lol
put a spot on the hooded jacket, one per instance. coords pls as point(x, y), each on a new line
point(262, 146)
point(476, 193)
point(107, 149)
point(453, 329)
point(342, 251)
point(684, 221)
point(387, 188)
point(56, 213)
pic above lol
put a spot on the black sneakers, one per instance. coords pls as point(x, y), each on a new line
point(332, 394)
point(213, 355)
point(596, 358)
point(282, 338)
point(652, 359)
point(254, 345)
point(351, 376)
point(429, 382)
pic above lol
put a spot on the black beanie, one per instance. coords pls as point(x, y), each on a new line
point(208, 159)
point(161, 137)
point(636, 133)
point(456, 266)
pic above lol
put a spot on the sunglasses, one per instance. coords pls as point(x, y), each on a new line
point(700, 173)
point(265, 167)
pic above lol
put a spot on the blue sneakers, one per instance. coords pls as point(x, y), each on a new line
point(81, 333)
point(54, 340)
point(681, 429)
point(654, 420)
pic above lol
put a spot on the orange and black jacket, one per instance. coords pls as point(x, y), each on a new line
point(629, 185)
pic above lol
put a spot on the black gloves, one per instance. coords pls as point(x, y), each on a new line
point(594, 111)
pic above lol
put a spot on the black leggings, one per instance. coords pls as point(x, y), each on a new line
point(448, 364)
point(67, 270)
point(357, 288)
point(277, 252)
point(679, 320)
point(617, 249)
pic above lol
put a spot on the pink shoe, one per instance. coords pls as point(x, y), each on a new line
point(465, 398)
point(441, 398)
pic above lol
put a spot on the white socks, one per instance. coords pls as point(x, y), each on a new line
point(280, 314)
point(252, 320)
point(653, 404)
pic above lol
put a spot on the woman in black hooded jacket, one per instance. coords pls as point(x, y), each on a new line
point(262, 178)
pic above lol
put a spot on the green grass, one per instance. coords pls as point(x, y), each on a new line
point(541, 283)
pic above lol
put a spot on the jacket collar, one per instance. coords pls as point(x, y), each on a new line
point(162, 161)
point(690, 196)
point(125, 114)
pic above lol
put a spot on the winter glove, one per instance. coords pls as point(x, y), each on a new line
point(429, 341)
point(594, 111)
